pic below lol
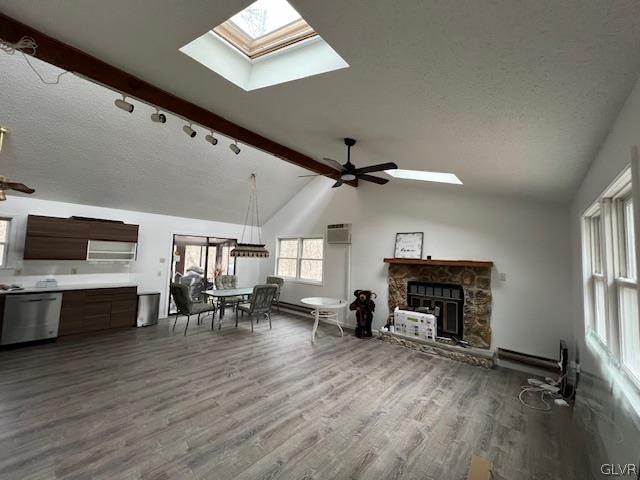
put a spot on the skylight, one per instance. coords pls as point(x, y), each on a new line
point(264, 16)
point(264, 27)
point(267, 43)
point(424, 176)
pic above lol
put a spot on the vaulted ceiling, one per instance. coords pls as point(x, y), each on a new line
point(70, 143)
point(513, 97)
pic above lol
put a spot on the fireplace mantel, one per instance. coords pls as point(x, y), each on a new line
point(448, 263)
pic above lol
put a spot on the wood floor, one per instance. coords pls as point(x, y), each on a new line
point(146, 403)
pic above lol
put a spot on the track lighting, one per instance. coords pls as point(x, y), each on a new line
point(158, 117)
point(189, 131)
point(235, 148)
point(124, 105)
point(211, 139)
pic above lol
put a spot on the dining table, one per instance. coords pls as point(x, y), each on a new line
point(224, 293)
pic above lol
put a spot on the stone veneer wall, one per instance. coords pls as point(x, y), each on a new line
point(476, 282)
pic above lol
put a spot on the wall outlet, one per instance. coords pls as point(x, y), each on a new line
point(162, 260)
point(503, 277)
point(74, 271)
point(159, 274)
point(18, 271)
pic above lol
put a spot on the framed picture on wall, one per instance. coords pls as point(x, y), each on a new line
point(409, 245)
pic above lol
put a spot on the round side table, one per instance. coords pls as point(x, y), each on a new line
point(322, 304)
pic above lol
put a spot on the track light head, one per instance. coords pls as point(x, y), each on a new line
point(122, 104)
point(234, 148)
point(189, 131)
point(211, 139)
point(158, 117)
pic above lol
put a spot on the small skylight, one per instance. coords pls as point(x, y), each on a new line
point(264, 27)
point(424, 176)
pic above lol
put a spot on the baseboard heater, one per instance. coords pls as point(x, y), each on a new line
point(296, 308)
point(533, 360)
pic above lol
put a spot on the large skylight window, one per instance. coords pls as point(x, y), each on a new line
point(267, 43)
point(264, 16)
point(264, 27)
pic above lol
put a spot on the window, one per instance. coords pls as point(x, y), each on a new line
point(597, 293)
point(300, 259)
point(627, 290)
point(264, 27)
point(611, 289)
point(5, 227)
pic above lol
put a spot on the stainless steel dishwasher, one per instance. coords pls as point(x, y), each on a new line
point(148, 309)
point(30, 316)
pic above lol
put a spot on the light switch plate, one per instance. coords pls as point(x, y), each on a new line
point(503, 277)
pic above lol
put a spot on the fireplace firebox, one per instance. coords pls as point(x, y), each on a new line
point(445, 300)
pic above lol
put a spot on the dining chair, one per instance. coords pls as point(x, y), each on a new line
point(186, 306)
point(260, 305)
point(279, 282)
point(226, 282)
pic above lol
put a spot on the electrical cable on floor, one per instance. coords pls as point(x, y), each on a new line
point(543, 392)
point(27, 46)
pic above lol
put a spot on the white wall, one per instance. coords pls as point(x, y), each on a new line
point(617, 429)
point(528, 242)
point(155, 239)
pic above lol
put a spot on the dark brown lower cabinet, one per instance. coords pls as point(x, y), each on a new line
point(86, 311)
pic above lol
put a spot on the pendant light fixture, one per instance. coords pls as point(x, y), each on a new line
point(251, 221)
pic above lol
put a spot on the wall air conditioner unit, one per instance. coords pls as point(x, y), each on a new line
point(339, 233)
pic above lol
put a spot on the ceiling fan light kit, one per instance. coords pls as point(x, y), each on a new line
point(349, 172)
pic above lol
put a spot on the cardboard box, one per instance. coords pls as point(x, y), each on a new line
point(479, 469)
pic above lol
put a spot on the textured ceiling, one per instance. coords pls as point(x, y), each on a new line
point(71, 144)
point(513, 97)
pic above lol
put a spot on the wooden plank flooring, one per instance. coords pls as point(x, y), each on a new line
point(152, 404)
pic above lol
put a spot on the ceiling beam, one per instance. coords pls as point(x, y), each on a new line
point(73, 60)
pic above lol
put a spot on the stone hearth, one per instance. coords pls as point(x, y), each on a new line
point(475, 278)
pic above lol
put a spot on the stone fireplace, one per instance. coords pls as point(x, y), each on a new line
point(462, 290)
point(446, 299)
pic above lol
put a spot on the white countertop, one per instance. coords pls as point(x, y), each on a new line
point(63, 287)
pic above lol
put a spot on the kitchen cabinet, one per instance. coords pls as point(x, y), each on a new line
point(85, 311)
point(40, 226)
point(54, 248)
point(117, 232)
point(51, 238)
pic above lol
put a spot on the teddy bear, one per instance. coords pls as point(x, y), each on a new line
point(364, 307)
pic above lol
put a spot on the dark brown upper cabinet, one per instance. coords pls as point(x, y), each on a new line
point(117, 232)
point(56, 227)
point(51, 238)
point(54, 248)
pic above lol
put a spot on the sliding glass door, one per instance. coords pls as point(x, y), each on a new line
point(198, 261)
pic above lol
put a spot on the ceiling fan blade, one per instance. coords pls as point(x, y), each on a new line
point(334, 163)
point(19, 187)
point(371, 178)
point(377, 168)
point(337, 184)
